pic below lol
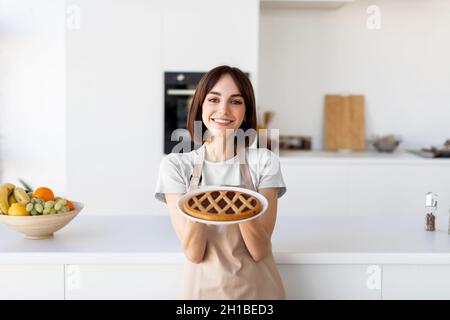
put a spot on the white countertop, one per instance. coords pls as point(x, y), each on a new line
point(297, 240)
point(364, 157)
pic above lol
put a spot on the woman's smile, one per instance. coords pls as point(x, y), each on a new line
point(222, 122)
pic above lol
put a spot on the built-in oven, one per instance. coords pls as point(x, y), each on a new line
point(179, 88)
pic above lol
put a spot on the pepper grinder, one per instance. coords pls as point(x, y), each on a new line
point(430, 207)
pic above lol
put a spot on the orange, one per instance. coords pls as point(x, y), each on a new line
point(70, 204)
point(44, 193)
point(18, 209)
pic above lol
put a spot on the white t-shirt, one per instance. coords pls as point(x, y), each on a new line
point(176, 169)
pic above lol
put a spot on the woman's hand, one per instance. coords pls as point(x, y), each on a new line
point(257, 233)
point(191, 234)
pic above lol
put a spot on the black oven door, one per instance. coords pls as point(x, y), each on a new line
point(179, 89)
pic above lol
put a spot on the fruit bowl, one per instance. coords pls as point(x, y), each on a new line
point(41, 227)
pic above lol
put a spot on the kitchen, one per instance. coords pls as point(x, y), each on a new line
point(89, 78)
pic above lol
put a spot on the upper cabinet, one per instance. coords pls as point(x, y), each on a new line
point(198, 35)
point(307, 4)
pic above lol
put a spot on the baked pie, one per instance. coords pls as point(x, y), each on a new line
point(222, 205)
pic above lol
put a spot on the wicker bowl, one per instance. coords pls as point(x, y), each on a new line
point(41, 227)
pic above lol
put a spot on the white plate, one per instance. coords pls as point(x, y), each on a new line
point(257, 195)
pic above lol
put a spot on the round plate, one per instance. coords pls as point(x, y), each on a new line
point(257, 195)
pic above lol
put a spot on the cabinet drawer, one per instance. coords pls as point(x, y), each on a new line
point(124, 281)
point(332, 281)
point(27, 282)
point(416, 282)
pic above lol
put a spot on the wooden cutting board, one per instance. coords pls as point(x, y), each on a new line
point(344, 123)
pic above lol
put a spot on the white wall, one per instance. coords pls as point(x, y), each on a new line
point(32, 93)
point(403, 68)
point(115, 65)
point(201, 34)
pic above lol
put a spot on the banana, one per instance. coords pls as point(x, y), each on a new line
point(12, 199)
point(5, 190)
point(21, 195)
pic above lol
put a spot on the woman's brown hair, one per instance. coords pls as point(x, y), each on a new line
point(206, 84)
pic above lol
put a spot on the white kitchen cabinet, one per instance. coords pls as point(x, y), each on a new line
point(139, 281)
point(392, 189)
point(306, 4)
point(332, 281)
point(165, 281)
point(114, 72)
point(201, 34)
point(416, 282)
point(324, 186)
point(380, 190)
point(29, 282)
point(313, 190)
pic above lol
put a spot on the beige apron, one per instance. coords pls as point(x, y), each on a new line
point(228, 271)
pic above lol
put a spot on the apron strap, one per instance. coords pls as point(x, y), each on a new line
point(243, 166)
point(245, 171)
point(198, 168)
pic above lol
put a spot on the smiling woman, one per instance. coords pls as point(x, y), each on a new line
point(225, 104)
point(232, 261)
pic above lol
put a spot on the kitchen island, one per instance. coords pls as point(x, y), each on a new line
point(139, 257)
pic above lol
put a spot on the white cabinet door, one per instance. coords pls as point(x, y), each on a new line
point(26, 282)
point(416, 282)
point(186, 34)
point(390, 189)
point(124, 281)
point(114, 79)
point(361, 189)
point(314, 190)
point(386, 190)
point(332, 281)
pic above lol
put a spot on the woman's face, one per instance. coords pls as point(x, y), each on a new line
point(223, 108)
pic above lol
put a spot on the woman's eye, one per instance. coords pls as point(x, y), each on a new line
point(236, 102)
point(213, 100)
